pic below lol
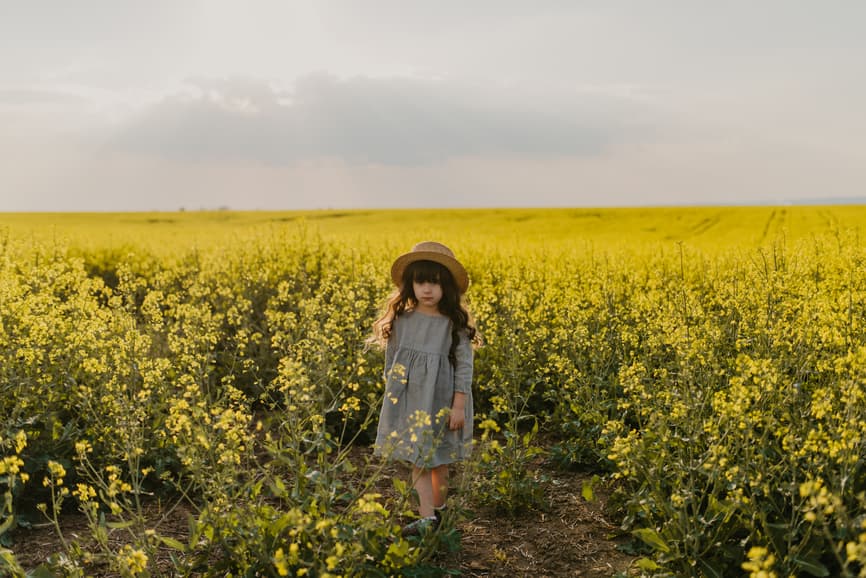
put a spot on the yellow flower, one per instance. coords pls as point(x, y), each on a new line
point(331, 562)
point(760, 563)
point(133, 560)
point(20, 441)
point(57, 471)
point(10, 465)
point(281, 563)
point(489, 424)
point(84, 492)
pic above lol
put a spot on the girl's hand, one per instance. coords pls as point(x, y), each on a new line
point(457, 418)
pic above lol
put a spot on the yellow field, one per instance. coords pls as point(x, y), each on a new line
point(712, 361)
point(704, 227)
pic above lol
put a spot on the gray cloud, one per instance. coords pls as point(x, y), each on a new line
point(389, 121)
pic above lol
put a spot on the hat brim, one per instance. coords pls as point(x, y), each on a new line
point(453, 265)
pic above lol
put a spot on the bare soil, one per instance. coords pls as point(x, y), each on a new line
point(572, 537)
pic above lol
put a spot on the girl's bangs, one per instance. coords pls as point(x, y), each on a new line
point(426, 272)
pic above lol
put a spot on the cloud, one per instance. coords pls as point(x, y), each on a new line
point(35, 97)
point(388, 121)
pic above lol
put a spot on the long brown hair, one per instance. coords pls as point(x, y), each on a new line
point(403, 299)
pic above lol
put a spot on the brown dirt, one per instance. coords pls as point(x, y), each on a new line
point(571, 537)
point(33, 546)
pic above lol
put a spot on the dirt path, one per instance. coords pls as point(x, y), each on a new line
point(572, 538)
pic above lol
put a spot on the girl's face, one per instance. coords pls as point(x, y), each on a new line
point(432, 287)
point(428, 294)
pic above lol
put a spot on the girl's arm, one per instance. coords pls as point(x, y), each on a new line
point(462, 383)
point(463, 366)
point(457, 418)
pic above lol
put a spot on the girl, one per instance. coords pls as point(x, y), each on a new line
point(426, 416)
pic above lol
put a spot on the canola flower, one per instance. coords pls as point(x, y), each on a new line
point(760, 563)
point(132, 561)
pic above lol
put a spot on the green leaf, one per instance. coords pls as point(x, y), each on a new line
point(278, 488)
point(646, 564)
point(172, 543)
point(41, 571)
point(10, 564)
point(194, 529)
point(652, 538)
point(586, 491)
point(120, 525)
point(811, 566)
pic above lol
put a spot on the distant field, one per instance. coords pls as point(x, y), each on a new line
point(704, 227)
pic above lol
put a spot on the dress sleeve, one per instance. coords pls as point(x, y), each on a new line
point(390, 350)
point(463, 368)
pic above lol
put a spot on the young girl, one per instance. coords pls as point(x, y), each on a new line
point(426, 417)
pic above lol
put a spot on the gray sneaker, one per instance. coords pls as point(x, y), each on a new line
point(420, 527)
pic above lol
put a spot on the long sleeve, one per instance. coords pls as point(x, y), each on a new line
point(463, 368)
point(390, 350)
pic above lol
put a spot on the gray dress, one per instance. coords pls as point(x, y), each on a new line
point(419, 388)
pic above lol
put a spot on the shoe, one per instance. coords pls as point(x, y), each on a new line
point(440, 513)
point(420, 527)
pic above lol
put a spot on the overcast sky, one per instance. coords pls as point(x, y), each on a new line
point(164, 104)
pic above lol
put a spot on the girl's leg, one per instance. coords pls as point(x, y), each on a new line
point(422, 481)
point(439, 483)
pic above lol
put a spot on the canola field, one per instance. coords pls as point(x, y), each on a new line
point(702, 227)
point(709, 364)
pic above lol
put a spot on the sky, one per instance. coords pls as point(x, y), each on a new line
point(116, 105)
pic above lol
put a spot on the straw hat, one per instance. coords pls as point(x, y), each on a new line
point(431, 251)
